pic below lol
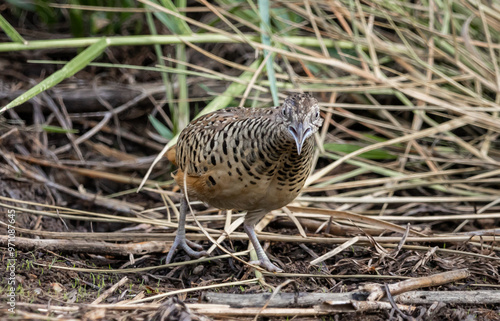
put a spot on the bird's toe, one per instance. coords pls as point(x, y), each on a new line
point(187, 246)
point(194, 245)
point(267, 265)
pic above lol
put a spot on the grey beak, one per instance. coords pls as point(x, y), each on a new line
point(299, 133)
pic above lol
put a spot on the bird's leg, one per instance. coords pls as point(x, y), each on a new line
point(263, 259)
point(180, 238)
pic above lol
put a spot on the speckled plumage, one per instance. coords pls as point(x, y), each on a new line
point(248, 158)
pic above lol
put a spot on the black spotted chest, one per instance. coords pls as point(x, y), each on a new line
point(281, 172)
point(295, 169)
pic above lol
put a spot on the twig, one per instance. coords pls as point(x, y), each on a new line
point(377, 292)
point(109, 291)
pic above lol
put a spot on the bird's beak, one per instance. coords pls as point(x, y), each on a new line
point(299, 133)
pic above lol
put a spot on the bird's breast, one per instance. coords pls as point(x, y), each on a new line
point(244, 165)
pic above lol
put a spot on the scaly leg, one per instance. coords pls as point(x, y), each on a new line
point(263, 259)
point(180, 238)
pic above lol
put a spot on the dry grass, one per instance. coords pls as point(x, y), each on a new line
point(410, 97)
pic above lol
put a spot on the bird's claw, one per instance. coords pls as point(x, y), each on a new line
point(187, 246)
point(192, 244)
point(267, 265)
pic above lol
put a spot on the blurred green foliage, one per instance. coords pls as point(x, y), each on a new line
point(281, 17)
point(83, 21)
point(349, 148)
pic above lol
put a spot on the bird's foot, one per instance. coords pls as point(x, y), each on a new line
point(267, 265)
point(187, 246)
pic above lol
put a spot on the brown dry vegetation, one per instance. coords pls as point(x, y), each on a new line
point(410, 94)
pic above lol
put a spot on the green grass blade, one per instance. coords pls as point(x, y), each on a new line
point(235, 89)
point(174, 24)
point(181, 55)
point(178, 27)
point(163, 40)
point(71, 68)
point(160, 128)
point(266, 40)
point(164, 76)
point(58, 130)
point(349, 148)
point(10, 31)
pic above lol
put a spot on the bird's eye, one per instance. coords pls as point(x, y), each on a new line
point(317, 114)
point(284, 112)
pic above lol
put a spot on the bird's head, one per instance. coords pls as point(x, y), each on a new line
point(300, 117)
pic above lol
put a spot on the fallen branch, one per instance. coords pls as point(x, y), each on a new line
point(309, 304)
point(310, 299)
point(81, 246)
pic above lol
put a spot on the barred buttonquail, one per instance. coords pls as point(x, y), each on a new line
point(250, 159)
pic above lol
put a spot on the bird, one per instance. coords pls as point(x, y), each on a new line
point(245, 159)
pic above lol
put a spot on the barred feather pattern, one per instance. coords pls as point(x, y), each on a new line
point(246, 158)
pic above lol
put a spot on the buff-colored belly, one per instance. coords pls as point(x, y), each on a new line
point(219, 190)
